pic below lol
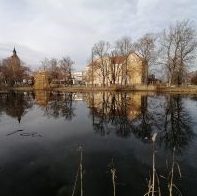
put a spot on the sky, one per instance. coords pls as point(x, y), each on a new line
point(40, 29)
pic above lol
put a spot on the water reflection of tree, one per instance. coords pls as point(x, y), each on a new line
point(194, 98)
point(177, 132)
point(150, 120)
point(126, 114)
point(99, 117)
point(15, 104)
point(110, 112)
point(119, 112)
point(60, 106)
point(142, 125)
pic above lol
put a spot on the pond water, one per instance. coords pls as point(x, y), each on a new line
point(46, 137)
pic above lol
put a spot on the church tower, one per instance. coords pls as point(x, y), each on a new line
point(14, 52)
point(15, 59)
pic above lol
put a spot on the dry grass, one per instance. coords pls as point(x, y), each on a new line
point(113, 176)
point(153, 184)
point(79, 173)
point(171, 184)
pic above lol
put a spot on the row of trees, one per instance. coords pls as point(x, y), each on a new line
point(172, 50)
point(178, 48)
point(13, 71)
point(59, 69)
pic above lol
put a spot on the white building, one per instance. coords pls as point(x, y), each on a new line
point(78, 78)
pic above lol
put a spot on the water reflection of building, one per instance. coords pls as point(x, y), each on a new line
point(135, 106)
point(78, 96)
point(115, 104)
point(42, 97)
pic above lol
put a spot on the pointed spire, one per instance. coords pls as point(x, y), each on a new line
point(14, 51)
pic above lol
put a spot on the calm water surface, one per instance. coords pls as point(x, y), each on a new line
point(41, 134)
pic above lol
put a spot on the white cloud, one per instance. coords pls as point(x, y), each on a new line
point(54, 28)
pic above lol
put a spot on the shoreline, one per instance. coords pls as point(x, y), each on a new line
point(190, 89)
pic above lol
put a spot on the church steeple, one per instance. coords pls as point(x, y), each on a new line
point(14, 57)
point(14, 52)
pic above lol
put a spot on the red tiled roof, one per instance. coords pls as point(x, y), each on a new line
point(119, 59)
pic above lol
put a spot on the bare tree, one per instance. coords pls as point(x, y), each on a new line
point(178, 45)
point(54, 70)
point(45, 64)
point(116, 62)
point(66, 68)
point(145, 46)
point(1, 74)
point(101, 54)
point(124, 48)
point(92, 71)
point(59, 69)
point(13, 70)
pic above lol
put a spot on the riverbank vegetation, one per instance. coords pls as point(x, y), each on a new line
point(185, 89)
point(154, 183)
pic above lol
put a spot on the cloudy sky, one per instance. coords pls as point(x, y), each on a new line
point(55, 28)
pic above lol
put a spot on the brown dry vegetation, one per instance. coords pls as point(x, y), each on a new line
point(190, 89)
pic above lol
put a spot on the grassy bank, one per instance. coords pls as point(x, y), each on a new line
point(191, 89)
point(144, 88)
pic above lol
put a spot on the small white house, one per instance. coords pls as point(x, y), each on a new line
point(78, 78)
